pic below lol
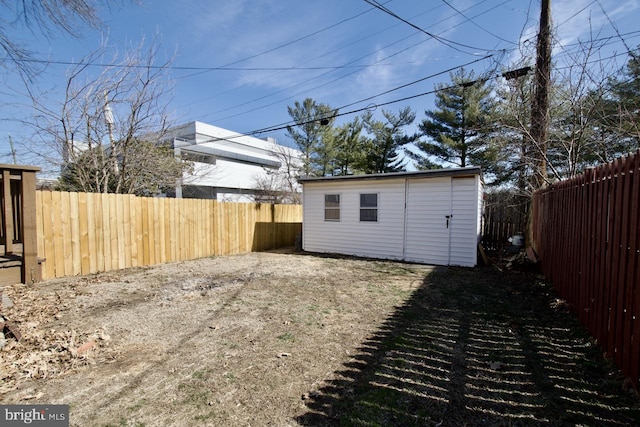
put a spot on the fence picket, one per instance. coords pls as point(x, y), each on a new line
point(80, 233)
point(620, 276)
point(126, 228)
point(586, 232)
point(631, 347)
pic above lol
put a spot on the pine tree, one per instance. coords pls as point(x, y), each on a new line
point(310, 132)
point(618, 122)
point(349, 148)
point(455, 130)
point(386, 139)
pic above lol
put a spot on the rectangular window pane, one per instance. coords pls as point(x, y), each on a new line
point(368, 200)
point(331, 200)
point(368, 214)
point(332, 214)
point(332, 207)
point(369, 207)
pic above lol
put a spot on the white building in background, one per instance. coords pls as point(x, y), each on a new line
point(227, 166)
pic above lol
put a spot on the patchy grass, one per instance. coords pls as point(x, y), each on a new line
point(477, 347)
point(283, 339)
point(287, 336)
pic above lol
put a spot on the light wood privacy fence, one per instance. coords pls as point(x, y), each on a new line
point(82, 233)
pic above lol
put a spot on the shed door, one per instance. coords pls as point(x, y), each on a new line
point(428, 220)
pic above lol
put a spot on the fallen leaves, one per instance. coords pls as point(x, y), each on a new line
point(40, 350)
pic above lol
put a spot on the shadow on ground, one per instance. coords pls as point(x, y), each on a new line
point(476, 347)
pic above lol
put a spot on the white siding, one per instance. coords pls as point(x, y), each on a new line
point(225, 173)
point(381, 239)
point(417, 231)
point(427, 235)
point(463, 244)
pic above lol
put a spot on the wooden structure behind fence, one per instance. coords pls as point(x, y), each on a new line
point(82, 233)
point(505, 215)
point(586, 233)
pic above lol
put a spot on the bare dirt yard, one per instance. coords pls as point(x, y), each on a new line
point(283, 338)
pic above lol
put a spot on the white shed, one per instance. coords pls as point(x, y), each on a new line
point(431, 217)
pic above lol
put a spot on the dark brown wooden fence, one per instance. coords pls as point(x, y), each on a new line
point(586, 232)
point(505, 215)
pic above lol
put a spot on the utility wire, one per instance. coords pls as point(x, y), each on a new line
point(336, 79)
point(446, 42)
point(332, 81)
point(350, 62)
point(306, 90)
point(414, 82)
point(290, 68)
point(399, 87)
point(476, 24)
point(300, 38)
point(576, 14)
point(374, 106)
point(615, 28)
point(182, 68)
point(287, 124)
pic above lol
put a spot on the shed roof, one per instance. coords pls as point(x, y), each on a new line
point(432, 173)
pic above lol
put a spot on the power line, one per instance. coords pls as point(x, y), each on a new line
point(476, 24)
point(301, 38)
point(336, 79)
point(415, 81)
point(595, 61)
point(446, 42)
point(374, 106)
point(369, 107)
point(300, 84)
point(350, 62)
point(190, 68)
point(282, 126)
point(576, 14)
point(289, 68)
point(615, 28)
point(332, 81)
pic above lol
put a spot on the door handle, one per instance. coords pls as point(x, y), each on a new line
point(448, 217)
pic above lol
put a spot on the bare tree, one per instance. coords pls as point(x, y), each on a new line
point(574, 142)
point(97, 131)
point(576, 137)
point(280, 185)
point(47, 16)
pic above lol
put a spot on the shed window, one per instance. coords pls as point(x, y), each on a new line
point(369, 207)
point(332, 207)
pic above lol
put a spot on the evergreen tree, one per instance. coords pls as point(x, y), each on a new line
point(617, 123)
point(455, 130)
point(325, 150)
point(311, 133)
point(386, 139)
point(349, 148)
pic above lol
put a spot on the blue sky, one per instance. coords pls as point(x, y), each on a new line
point(339, 52)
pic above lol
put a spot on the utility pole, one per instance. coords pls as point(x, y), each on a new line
point(109, 120)
point(540, 106)
point(13, 151)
